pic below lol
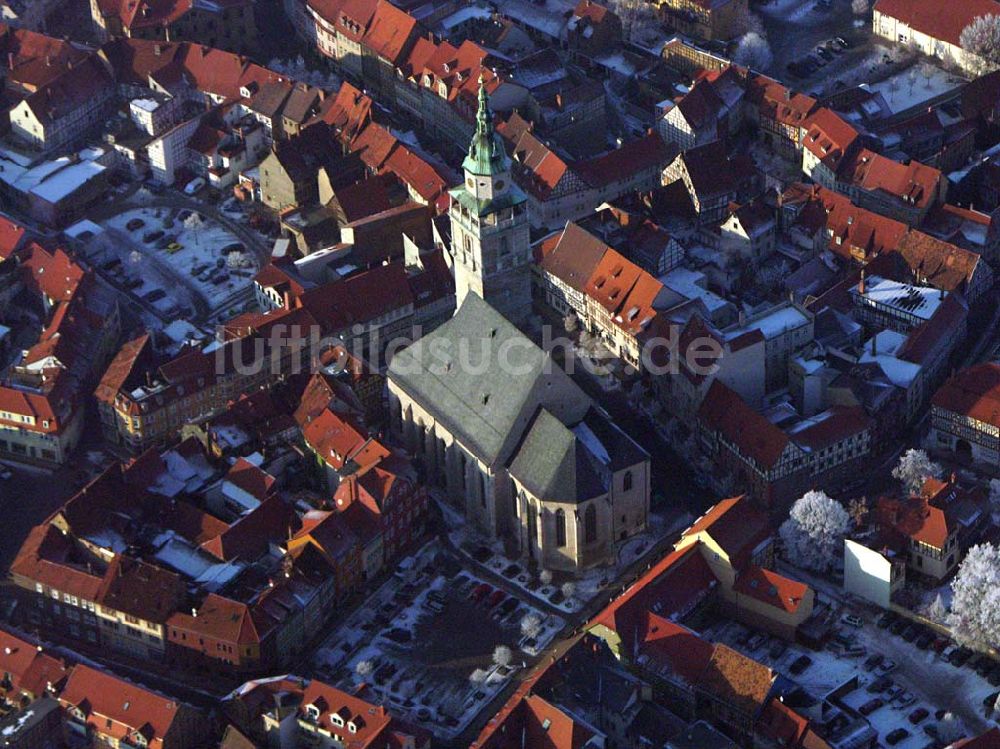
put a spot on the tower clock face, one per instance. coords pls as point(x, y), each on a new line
point(470, 182)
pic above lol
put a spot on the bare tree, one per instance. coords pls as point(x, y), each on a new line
point(980, 41)
point(858, 510)
point(568, 589)
point(859, 7)
point(545, 577)
point(502, 655)
point(363, 668)
point(927, 71)
point(753, 52)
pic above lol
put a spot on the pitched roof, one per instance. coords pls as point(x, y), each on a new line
point(829, 137)
point(482, 408)
point(31, 669)
point(724, 411)
point(938, 19)
point(737, 680)
point(126, 706)
point(771, 588)
point(140, 589)
point(736, 526)
point(972, 392)
point(389, 32)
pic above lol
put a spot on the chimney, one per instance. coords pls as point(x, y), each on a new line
point(10, 60)
point(194, 612)
point(861, 283)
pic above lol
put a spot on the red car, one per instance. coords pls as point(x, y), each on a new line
point(497, 598)
point(480, 592)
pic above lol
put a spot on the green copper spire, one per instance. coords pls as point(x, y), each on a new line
point(486, 152)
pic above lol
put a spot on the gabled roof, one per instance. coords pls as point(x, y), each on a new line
point(31, 669)
point(389, 32)
point(725, 412)
point(972, 392)
point(128, 707)
point(938, 19)
point(829, 137)
point(736, 526)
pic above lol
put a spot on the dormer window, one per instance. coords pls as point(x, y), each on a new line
point(336, 720)
point(312, 711)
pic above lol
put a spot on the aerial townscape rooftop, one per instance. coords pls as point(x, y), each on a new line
point(500, 374)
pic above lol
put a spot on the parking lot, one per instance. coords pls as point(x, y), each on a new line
point(908, 678)
point(426, 642)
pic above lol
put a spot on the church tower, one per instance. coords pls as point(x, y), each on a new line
point(490, 246)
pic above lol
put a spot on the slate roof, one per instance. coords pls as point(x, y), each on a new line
point(484, 405)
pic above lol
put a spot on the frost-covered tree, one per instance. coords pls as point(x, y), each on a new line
point(980, 41)
point(859, 7)
point(996, 704)
point(753, 51)
point(813, 535)
point(914, 468)
point(995, 491)
point(950, 728)
point(568, 589)
point(502, 655)
point(194, 222)
point(363, 668)
point(937, 611)
point(531, 625)
point(545, 578)
point(975, 603)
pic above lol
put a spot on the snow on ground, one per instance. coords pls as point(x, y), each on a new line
point(444, 696)
point(194, 255)
point(916, 85)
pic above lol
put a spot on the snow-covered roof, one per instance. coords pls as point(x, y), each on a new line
point(62, 183)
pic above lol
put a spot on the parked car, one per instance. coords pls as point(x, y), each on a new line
point(888, 665)
point(960, 656)
point(155, 295)
point(194, 186)
point(881, 684)
point(135, 224)
point(842, 42)
point(133, 283)
point(112, 263)
point(756, 641)
point(496, 598)
point(800, 664)
point(871, 706)
point(152, 236)
point(885, 620)
point(924, 640)
point(910, 633)
point(853, 619)
point(198, 268)
point(5, 473)
point(905, 699)
point(918, 715)
point(480, 592)
point(873, 662)
point(174, 247)
point(778, 648)
point(894, 737)
point(507, 606)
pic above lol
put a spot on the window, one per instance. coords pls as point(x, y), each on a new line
point(590, 524)
point(560, 528)
point(627, 481)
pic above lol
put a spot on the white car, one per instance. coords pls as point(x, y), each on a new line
point(194, 186)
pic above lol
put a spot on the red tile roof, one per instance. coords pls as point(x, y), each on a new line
point(771, 588)
point(390, 32)
point(736, 526)
point(251, 479)
point(127, 707)
point(829, 137)
point(973, 392)
point(31, 669)
point(725, 412)
point(915, 184)
point(939, 19)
